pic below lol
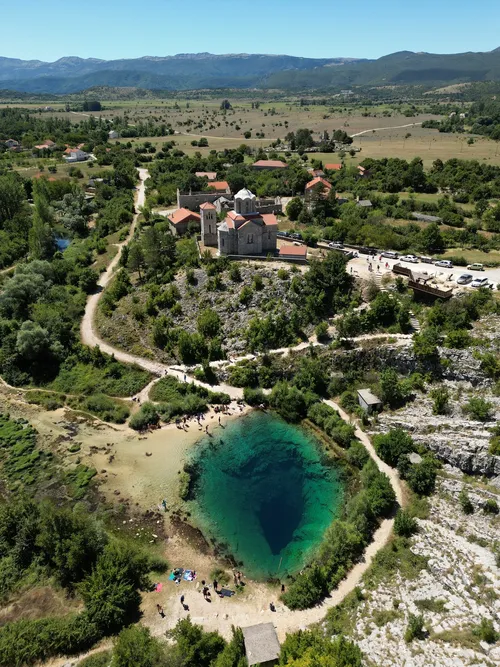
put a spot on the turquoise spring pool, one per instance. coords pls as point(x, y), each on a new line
point(265, 491)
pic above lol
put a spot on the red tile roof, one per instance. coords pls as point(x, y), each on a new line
point(183, 215)
point(317, 181)
point(211, 175)
point(206, 205)
point(294, 250)
point(269, 219)
point(220, 186)
point(333, 167)
point(271, 164)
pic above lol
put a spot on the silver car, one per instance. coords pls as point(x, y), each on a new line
point(464, 279)
point(479, 282)
point(444, 263)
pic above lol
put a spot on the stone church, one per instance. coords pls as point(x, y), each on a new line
point(245, 231)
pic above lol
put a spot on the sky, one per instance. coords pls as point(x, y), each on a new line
point(110, 29)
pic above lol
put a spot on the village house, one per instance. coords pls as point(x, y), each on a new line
point(220, 186)
point(363, 172)
point(269, 164)
point(333, 167)
point(209, 175)
point(296, 253)
point(245, 231)
point(318, 186)
point(182, 220)
point(113, 134)
point(75, 155)
point(11, 143)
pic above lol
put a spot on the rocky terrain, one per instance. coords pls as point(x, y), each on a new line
point(454, 437)
point(126, 327)
point(459, 586)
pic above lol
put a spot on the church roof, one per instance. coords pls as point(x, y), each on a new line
point(244, 194)
point(206, 205)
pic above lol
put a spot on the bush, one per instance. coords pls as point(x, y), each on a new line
point(392, 445)
point(478, 408)
point(465, 503)
point(254, 397)
point(135, 647)
point(421, 477)
point(349, 401)
point(357, 455)
point(147, 416)
point(415, 629)
point(491, 506)
point(440, 397)
point(321, 331)
point(459, 339)
point(486, 631)
point(404, 524)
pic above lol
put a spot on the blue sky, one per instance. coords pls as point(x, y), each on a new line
point(108, 29)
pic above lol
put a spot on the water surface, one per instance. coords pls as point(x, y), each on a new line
point(264, 490)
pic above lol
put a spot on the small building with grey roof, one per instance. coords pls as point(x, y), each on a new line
point(368, 401)
point(261, 644)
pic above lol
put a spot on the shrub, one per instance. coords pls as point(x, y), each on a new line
point(415, 629)
point(404, 524)
point(147, 416)
point(465, 503)
point(135, 647)
point(321, 331)
point(421, 477)
point(459, 339)
point(234, 272)
point(357, 455)
point(349, 401)
point(478, 408)
point(254, 397)
point(486, 631)
point(491, 506)
point(392, 445)
point(440, 397)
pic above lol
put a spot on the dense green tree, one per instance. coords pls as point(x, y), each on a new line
point(135, 647)
point(392, 445)
point(195, 647)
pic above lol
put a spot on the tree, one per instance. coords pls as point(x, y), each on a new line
point(421, 477)
point(208, 323)
point(12, 197)
point(393, 391)
point(41, 238)
point(32, 342)
point(135, 260)
point(431, 239)
point(294, 208)
point(135, 647)
point(392, 445)
point(233, 654)
point(194, 646)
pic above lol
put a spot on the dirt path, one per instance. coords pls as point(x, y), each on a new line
point(378, 129)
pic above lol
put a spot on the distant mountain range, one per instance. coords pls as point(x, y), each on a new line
point(208, 71)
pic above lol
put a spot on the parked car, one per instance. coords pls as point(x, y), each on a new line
point(296, 235)
point(475, 267)
point(409, 258)
point(283, 234)
point(388, 254)
point(444, 263)
point(464, 279)
point(427, 260)
point(479, 282)
point(367, 251)
point(336, 244)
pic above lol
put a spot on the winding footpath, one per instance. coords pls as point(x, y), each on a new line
point(246, 611)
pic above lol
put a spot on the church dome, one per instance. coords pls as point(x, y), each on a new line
point(244, 194)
